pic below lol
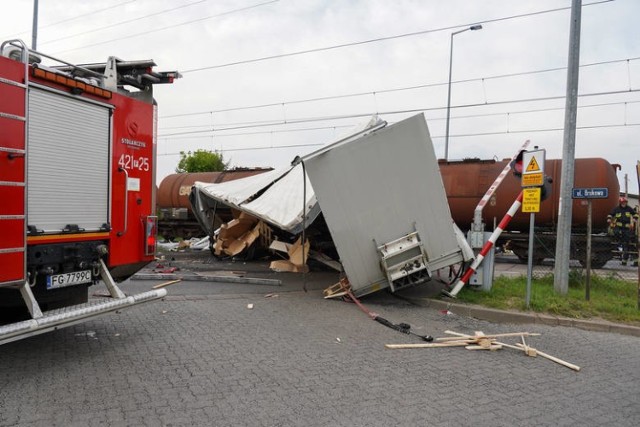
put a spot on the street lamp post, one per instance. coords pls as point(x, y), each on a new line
point(446, 138)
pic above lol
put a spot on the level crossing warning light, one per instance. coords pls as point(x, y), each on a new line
point(516, 164)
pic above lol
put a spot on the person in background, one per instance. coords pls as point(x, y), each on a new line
point(622, 221)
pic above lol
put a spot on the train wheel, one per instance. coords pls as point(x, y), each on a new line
point(598, 260)
point(521, 254)
point(523, 257)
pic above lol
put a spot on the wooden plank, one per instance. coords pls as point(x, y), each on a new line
point(555, 359)
point(427, 345)
point(509, 334)
point(492, 347)
point(529, 351)
point(337, 290)
point(162, 285)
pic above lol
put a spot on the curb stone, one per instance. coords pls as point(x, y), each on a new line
point(502, 316)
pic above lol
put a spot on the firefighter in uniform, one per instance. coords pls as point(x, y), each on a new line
point(622, 220)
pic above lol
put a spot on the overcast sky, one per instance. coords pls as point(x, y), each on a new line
point(363, 57)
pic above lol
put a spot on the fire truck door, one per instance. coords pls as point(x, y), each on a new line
point(13, 118)
point(68, 170)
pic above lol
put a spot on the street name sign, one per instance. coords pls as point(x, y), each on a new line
point(590, 193)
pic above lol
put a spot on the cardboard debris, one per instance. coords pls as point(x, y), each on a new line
point(280, 246)
point(297, 262)
point(239, 234)
point(184, 244)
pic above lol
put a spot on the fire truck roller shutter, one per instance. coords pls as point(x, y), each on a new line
point(68, 163)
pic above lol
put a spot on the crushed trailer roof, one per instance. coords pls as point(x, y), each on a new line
point(275, 197)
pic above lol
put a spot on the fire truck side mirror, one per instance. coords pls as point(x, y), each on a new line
point(516, 164)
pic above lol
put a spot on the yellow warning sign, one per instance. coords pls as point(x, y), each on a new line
point(533, 165)
point(531, 200)
point(532, 180)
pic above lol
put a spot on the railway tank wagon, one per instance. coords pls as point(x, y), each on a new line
point(466, 182)
point(175, 218)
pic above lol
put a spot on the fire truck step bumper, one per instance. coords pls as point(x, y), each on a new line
point(63, 317)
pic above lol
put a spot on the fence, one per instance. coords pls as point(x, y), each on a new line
point(609, 256)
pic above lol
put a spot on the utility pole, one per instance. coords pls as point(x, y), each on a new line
point(563, 240)
point(446, 135)
point(34, 28)
point(626, 185)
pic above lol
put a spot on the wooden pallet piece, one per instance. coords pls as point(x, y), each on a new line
point(529, 351)
point(337, 290)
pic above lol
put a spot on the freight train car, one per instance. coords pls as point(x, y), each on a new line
point(175, 218)
point(466, 182)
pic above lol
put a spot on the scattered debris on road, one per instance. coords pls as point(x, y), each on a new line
point(338, 290)
point(480, 341)
point(297, 262)
point(171, 282)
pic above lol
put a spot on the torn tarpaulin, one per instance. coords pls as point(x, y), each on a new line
point(275, 197)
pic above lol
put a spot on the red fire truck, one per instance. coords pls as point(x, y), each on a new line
point(77, 186)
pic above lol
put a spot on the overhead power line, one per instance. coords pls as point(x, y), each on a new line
point(406, 88)
point(404, 111)
point(380, 39)
point(128, 21)
point(263, 132)
point(155, 30)
point(466, 135)
point(73, 18)
point(431, 119)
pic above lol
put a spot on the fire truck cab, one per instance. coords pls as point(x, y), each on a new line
point(77, 185)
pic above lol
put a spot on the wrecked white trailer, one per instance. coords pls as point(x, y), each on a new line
point(381, 195)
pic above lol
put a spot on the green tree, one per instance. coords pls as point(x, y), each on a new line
point(201, 161)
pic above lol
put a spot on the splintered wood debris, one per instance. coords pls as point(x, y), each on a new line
point(240, 233)
point(480, 341)
point(297, 262)
point(340, 289)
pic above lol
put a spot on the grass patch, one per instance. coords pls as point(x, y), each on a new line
point(610, 298)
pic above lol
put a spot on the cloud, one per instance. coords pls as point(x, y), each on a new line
point(499, 124)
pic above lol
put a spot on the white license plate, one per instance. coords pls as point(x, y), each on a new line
point(68, 279)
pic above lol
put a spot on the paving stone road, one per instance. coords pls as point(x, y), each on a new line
point(203, 358)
